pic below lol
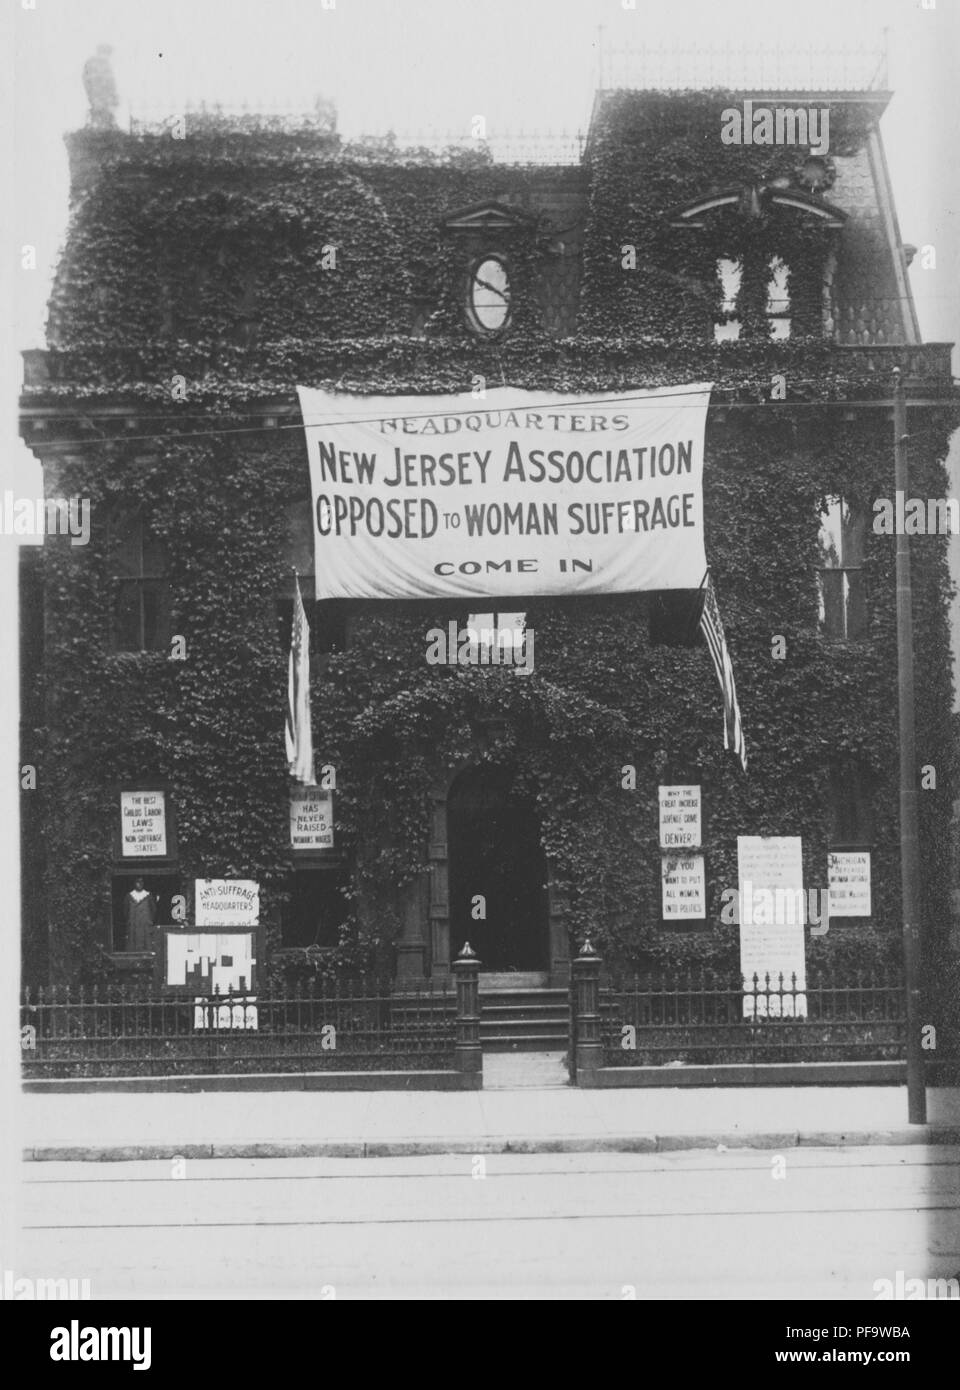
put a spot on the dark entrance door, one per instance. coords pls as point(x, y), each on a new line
point(495, 854)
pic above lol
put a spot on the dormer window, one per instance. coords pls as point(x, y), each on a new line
point(486, 233)
point(778, 299)
point(488, 295)
point(727, 326)
point(757, 300)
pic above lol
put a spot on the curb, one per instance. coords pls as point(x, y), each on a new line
point(487, 1144)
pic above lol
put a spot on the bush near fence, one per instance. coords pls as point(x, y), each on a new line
point(342, 1025)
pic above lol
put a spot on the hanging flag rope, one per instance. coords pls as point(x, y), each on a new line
point(712, 628)
point(299, 732)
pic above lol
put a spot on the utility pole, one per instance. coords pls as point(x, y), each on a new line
point(909, 826)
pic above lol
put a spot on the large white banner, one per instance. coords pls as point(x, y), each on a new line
point(522, 492)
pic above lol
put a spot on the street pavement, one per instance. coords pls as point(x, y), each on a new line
point(545, 1117)
point(807, 1223)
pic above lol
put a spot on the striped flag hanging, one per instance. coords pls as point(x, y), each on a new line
point(712, 629)
point(299, 732)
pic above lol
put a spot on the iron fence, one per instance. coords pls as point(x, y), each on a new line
point(703, 1018)
point(339, 1025)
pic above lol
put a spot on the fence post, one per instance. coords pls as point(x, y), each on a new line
point(468, 1057)
point(588, 1049)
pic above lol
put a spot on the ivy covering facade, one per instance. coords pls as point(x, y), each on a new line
point(190, 301)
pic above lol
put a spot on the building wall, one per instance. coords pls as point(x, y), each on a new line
point(603, 696)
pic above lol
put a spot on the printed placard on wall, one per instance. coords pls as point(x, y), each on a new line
point(227, 902)
point(680, 826)
point(849, 880)
point(684, 886)
point(143, 825)
point(311, 818)
point(772, 913)
point(211, 962)
point(225, 1016)
point(524, 492)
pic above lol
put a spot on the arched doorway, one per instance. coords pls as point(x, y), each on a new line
point(495, 856)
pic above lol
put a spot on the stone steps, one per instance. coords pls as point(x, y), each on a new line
point(524, 1020)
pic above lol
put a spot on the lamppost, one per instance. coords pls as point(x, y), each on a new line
point(909, 826)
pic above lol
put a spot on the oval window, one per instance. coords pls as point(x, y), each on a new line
point(489, 295)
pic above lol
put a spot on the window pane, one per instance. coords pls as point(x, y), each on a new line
point(779, 329)
point(490, 294)
point(316, 910)
point(856, 603)
point(328, 627)
point(510, 629)
point(831, 602)
point(831, 537)
point(127, 616)
point(125, 539)
point(778, 295)
point(482, 628)
point(726, 332)
point(154, 557)
point(731, 274)
point(497, 629)
point(851, 811)
point(155, 614)
point(854, 523)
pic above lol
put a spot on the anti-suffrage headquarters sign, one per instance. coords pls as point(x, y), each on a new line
point(523, 492)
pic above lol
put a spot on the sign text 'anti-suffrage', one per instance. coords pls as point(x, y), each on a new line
point(524, 493)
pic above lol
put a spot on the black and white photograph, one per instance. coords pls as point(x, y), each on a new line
point(480, 538)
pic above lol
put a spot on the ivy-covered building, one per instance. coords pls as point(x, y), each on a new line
point(204, 278)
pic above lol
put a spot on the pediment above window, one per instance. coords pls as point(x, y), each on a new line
point(485, 217)
point(753, 202)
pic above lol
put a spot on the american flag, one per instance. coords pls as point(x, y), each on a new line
point(712, 629)
point(299, 733)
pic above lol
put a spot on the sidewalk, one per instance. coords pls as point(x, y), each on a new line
point(541, 1119)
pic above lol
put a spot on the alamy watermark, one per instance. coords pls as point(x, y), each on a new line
point(481, 646)
point(914, 516)
point(901, 1287)
point(51, 516)
point(782, 125)
point(25, 1289)
point(768, 907)
point(76, 1343)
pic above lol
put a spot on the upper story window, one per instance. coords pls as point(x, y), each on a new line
point(501, 638)
point(727, 325)
point(778, 298)
point(850, 808)
point(755, 221)
point(843, 527)
point(141, 619)
point(497, 629)
point(488, 295)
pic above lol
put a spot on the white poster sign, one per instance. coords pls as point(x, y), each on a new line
point(772, 909)
point(143, 825)
point(311, 818)
point(684, 884)
point(680, 817)
point(224, 1016)
point(211, 962)
point(523, 492)
point(227, 902)
point(849, 880)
